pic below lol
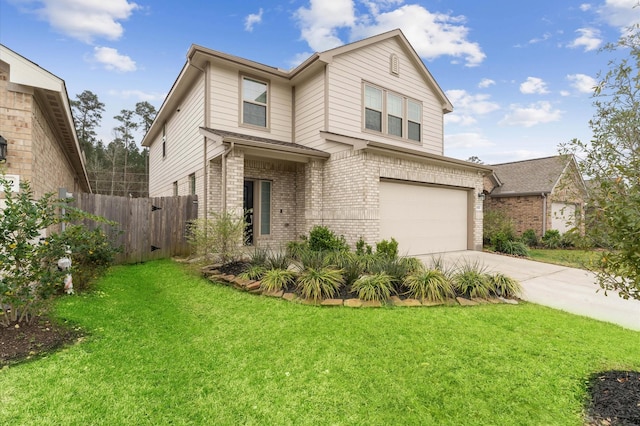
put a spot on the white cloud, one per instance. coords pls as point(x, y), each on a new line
point(585, 6)
point(319, 23)
point(565, 93)
point(533, 85)
point(252, 19)
point(582, 82)
point(467, 106)
point(589, 39)
point(431, 34)
point(138, 95)
point(486, 82)
point(466, 140)
point(112, 60)
point(86, 19)
point(545, 37)
point(620, 13)
point(537, 113)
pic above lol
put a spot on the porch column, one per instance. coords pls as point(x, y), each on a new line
point(235, 182)
point(313, 194)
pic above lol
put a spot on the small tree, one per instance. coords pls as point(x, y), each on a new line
point(612, 160)
point(28, 268)
point(221, 236)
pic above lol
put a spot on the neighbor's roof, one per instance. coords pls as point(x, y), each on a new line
point(537, 176)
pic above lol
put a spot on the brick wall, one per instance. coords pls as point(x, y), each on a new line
point(34, 150)
point(526, 212)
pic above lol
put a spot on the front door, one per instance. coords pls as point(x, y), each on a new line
point(248, 212)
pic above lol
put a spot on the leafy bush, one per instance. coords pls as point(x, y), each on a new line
point(319, 283)
point(495, 222)
point(471, 281)
point(363, 248)
point(222, 236)
point(276, 279)
point(28, 268)
point(277, 260)
point(373, 287)
point(514, 248)
point(322, 238)
point(504, 286)
point(530, 238)
point(429, 284)
point(296, 248)
point(388, 249)
point(552, 239)
point(91, 252)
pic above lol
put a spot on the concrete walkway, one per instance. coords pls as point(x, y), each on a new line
point(560, 287)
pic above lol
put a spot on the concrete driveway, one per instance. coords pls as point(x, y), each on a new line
point(569, 289)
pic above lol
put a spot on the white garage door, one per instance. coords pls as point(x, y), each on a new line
point(423, 219)
point(563, 216)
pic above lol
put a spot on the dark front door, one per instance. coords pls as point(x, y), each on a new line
point(248, 212)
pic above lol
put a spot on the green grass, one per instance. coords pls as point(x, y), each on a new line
point(166, 347)
point(573, 258)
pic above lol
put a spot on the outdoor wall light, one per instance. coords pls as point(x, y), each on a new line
point(3, 149)
point(481, 196)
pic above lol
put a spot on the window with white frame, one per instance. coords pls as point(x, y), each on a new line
point(391, 113)
point(254, 102)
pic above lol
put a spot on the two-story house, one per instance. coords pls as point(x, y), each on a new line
point(351, 139)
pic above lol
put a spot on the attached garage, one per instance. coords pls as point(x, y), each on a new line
point(424, 219)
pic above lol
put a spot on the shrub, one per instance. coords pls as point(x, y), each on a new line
point(429, 284)
point(253, 272)
point(363, 248)
point(91, 253)
point(388, 249)
point(322, 238)
point(296, 248)
point(373, 287)
point(514, 248)
point(277, 260)
point(28, 269)
point(530, 238)
point(222, 236)
point(494, 222)
point(504, 286)
point(276, 279)
point(319, 283)
point(471, 281)
point(259, 257)
point(552, 239)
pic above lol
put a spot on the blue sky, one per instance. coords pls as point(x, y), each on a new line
point(519, 74)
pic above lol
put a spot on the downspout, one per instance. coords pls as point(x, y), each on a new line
point(224, 176)
point(544, 213)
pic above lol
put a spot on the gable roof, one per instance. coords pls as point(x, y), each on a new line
point(198, 56)
point(52, 93)
point(538, 176)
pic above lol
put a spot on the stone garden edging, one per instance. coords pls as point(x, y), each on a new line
point(253, 287)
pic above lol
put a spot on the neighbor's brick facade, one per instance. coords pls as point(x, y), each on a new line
point(34, 151)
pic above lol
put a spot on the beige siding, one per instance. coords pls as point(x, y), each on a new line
point(184, 147)
point(349, 70)
point(309, 112)
point(225, 105)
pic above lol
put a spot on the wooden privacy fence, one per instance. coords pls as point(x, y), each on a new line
point(149, 228)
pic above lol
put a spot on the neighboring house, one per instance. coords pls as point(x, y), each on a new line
point(540, 194)
point(351, 139)
point(37, 125)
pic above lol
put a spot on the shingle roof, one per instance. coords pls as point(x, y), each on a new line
point(530, 176)
point(274, 144)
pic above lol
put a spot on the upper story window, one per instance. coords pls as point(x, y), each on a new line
point(391, 113)
point(164, 140)
point(254, 102)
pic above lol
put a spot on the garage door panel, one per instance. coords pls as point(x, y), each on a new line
point(423, 219)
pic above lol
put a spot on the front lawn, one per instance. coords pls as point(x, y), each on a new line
point(572, 258)
point(167, 347)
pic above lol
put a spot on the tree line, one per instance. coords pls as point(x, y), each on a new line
point(118, 167)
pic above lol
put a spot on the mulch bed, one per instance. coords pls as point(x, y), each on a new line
point(615, 398)
point(25, 341)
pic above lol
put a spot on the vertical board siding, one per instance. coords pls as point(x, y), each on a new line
point(140, 226)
